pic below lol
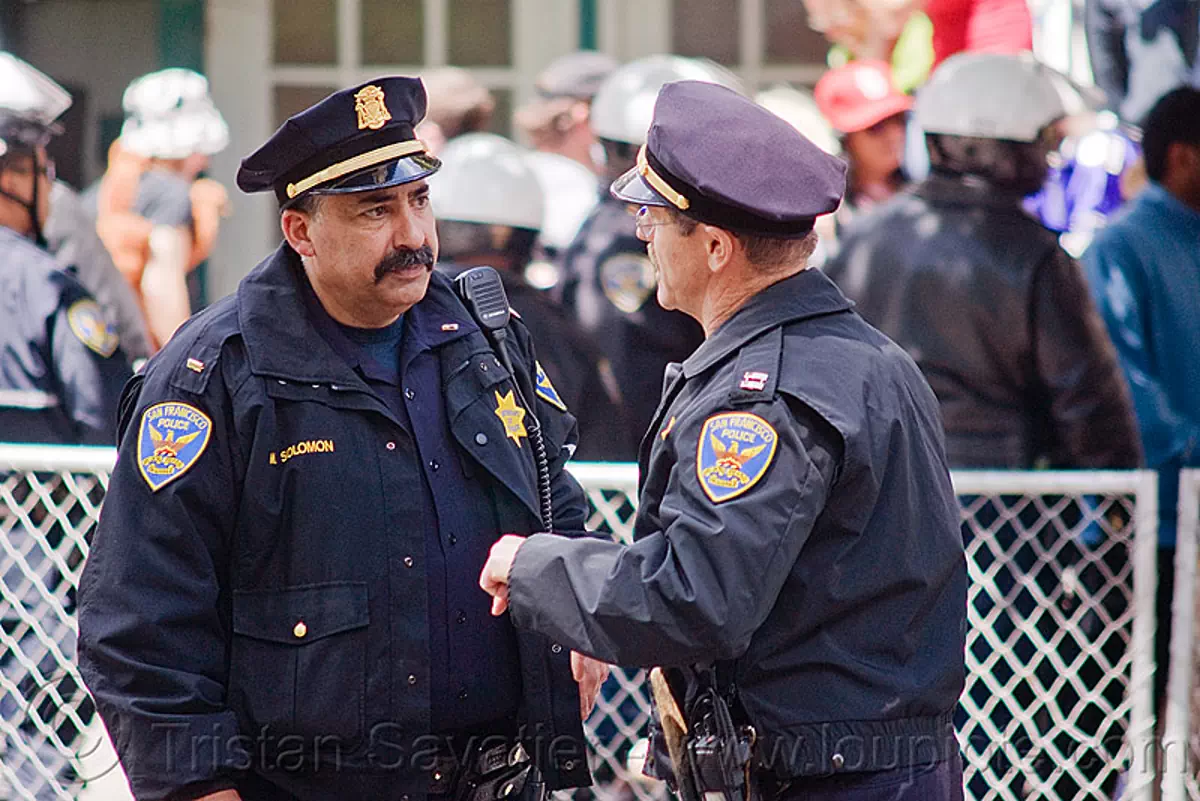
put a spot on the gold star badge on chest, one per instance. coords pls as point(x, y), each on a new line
point(513, 417)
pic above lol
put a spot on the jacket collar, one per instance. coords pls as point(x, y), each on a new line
point(966, 191)
point(798, 297)
point(1157, 195)
point(282, 341)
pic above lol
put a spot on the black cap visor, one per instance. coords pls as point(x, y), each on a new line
point(632, 188)
point(381, 176)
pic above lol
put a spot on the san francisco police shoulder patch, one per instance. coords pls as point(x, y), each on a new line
point(546, 391)
point(171, 439)
point(89, 326)
point(733, 454)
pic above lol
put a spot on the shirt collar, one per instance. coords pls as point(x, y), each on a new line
point(806, 294)
point(1158, 195)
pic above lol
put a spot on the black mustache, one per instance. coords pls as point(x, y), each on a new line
point(403, 259)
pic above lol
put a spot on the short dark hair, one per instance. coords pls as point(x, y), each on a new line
point(1174, 118)
point(762, 251)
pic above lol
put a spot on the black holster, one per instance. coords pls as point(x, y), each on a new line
point(717, 751)
point(501, 773)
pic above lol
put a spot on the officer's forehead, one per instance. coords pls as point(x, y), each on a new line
point(389, 193)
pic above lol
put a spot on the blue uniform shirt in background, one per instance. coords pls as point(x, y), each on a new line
point(479, 683)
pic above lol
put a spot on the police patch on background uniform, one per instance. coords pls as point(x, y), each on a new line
point(89, 327)
point(628, 280)
point(734, 452)
point(171, 439)
point(546, 391)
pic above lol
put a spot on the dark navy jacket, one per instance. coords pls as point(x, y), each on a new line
point(61, 365)
point(836, 593)
point(261, 620)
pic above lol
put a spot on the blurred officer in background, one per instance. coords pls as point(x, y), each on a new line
point(310, 475)
point(158, 218)
point(71, 236)
point(61, 373)
point(1000, 320)
point(61, 365)
point(785, 563)
point(608, 283)
point(489, 206)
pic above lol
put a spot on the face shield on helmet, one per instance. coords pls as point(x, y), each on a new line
point(624, 103)
point(171, 115)
point(30, 102)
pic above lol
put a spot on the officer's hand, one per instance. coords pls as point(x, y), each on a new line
point(494, 578)
point(224, 795)
point(590, 675)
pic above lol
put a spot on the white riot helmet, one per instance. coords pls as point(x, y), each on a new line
point(170, 114)
point(30, 102)
point(486, 179)
point(624, 103)
point(800, 111)
point(994, 96)
point(571, 191)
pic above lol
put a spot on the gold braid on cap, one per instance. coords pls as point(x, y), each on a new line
point(656, 181)
point(359, 162)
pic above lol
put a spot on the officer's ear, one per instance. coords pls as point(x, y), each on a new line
point(296, 225)
point(719, 246)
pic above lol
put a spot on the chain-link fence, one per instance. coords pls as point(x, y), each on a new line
point(1059, 643)
point(1059, 651)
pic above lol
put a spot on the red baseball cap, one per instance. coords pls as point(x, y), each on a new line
point(857, 95)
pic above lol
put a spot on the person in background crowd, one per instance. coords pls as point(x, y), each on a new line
point(458, 104)
point(71, 236)
point(999, 318)
point(158, 218)
point(608, 282)
point(61, 373)
point(567, 156)
point(489, 206)
point(1144, 271)
point(557, 121)
point(862, 103)
point(979, 26)
point(1141, 50)
point(310, 475)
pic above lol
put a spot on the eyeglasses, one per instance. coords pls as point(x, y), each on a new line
point(643, 223)
point(48, 169)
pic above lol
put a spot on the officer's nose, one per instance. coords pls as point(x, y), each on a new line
point(408, 232)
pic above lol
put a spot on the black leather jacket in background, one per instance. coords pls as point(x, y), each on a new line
point(999, 319)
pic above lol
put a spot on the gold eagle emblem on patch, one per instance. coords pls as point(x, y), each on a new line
point(372, 111)
point(733, 454)
point(512, 415)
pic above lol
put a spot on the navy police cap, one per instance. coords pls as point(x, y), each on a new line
point(352, 141)
point(721, 159)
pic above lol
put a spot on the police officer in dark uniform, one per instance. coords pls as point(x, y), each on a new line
point(608, 283)
point(280, 601)
point(490, 207)
point(61, 373)
point(61, 366)
point(797, 532)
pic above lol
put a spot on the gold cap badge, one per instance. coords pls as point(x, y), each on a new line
point(372, 112)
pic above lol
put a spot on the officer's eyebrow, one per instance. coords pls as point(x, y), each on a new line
point(380, 196)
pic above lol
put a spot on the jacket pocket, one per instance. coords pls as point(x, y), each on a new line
point(298, 664)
